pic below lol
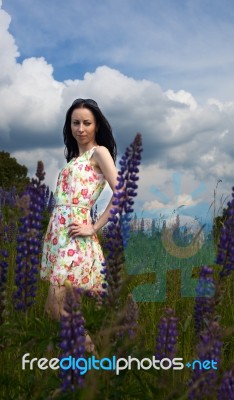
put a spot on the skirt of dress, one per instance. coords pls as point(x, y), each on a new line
point(78, 260)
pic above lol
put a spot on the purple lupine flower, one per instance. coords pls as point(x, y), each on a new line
point(3, 281)
point(128, 324)
point(226, 388)
point(29, 242)
point(10, 231)
point(40, 173)
point(26, 269)
point(72, 335)
point(118, 226)
point(50, 204)
point(209, 347)
point(7, 224)
point(6, 231)
point(205, 299)
point(46, 194)
point(225, 255)
point(166, 339)
point(7, 197)
point(94, 214)
point(48, 199)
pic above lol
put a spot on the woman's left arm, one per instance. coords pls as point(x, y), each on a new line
point(105, 162)
point(108, 168)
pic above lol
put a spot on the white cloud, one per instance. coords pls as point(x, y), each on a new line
point(182, 97)
point(153, 205)
point(178, 46)
point(8, 49)
point(178, 133)
point(210, 156)
point(183, 200)
point(51, 159)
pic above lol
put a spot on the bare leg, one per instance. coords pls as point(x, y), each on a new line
point(89, 345)
point(55, 301)
point(54, 308)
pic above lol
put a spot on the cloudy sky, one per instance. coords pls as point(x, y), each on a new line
point(165, 70)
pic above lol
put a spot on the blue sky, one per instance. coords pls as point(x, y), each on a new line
point(178, 44)
point(164, 68)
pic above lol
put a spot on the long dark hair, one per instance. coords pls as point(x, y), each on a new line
point(104, 136)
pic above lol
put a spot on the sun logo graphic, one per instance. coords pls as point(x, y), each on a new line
point(183, 240)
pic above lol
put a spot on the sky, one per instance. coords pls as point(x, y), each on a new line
point(163, 68)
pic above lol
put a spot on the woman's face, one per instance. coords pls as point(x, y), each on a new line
point(83, 127)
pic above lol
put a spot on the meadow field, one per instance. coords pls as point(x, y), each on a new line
point(31, 331)
point(158, 304)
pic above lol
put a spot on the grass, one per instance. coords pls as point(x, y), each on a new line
point(157, 279)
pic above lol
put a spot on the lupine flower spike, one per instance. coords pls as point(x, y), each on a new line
point(225, 255)
point(72, 335)
point(3, 281)
point(129, 324)
point(226, 388)
point(7, 197)
point(209, 347)
point(118, 228)
point(29, 243)
point(205, 299)
point(167, 335)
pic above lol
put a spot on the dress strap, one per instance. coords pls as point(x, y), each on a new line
point(91, 151)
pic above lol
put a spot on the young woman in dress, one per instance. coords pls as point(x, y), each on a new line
point(71, 249)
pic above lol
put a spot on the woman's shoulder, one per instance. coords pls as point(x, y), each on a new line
point(101, 151)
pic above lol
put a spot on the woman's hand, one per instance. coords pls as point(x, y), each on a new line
point(75, 229)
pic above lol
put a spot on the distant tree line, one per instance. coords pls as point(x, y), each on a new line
point(12, 174)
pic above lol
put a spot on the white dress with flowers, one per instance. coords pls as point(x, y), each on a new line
point(79, 260)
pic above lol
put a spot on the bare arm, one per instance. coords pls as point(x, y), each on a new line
point(104, 161)
point(106, 164)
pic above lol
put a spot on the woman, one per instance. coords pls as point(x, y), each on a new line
point(71, 249)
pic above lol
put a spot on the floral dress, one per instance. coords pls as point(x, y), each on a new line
point(79, 260)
